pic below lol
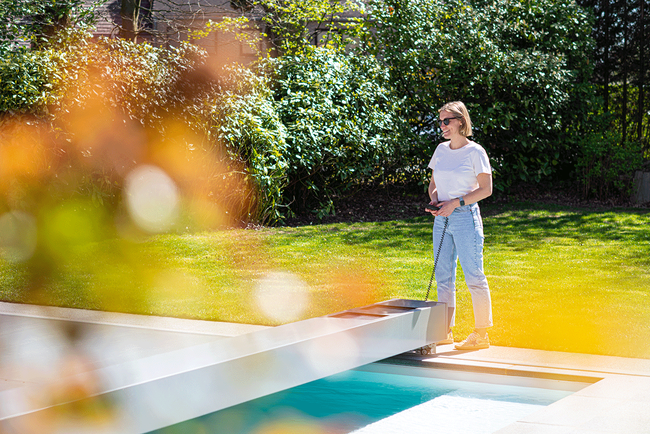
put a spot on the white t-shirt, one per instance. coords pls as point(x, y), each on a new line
point(455, 171)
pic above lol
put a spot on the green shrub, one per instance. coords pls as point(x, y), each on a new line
point(605, 165)
point(341, 122)
point(244, 119)
point(22, 82)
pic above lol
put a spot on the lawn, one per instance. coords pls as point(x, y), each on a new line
point(564, 279)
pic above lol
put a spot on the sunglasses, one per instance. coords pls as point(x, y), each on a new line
point(446, 120)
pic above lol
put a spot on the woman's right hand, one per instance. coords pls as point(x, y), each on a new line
point(446, 208)
point(432, 211)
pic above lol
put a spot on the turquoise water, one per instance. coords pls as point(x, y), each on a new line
point(377, 403)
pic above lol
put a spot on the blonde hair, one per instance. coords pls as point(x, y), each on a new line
point(459, 110)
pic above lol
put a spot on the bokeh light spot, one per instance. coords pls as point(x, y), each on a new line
point(339, 350)
point(17, 236)
point(282, 296)
point(152, 199)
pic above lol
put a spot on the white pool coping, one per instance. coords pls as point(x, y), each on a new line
point(619, 402)
point(145, 375)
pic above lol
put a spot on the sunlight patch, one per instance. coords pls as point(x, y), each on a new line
point(282, 296)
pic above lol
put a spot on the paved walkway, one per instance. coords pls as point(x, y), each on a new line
point(38, 344)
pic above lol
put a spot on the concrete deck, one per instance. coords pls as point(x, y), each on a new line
point(38, 343)
point(617, 402)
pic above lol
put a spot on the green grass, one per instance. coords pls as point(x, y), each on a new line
point(563, 279)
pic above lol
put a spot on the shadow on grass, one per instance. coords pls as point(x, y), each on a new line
point(525, 227)
point(524, 224)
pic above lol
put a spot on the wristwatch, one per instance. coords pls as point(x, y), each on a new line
point(462, 202)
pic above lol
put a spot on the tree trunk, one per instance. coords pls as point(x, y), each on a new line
point(606, 45)
point(626, 67)
point(642, 71)
point(130, 13)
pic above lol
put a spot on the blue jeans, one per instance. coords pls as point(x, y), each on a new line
point(463, 240)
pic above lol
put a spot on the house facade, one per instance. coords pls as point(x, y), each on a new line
point(167, 22)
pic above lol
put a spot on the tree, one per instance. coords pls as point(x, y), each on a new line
point(621, 69)
point(621, 74)
point(515, 64)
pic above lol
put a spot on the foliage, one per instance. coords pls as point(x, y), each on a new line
point(244, 118)
point(342, 128)
point(605, 164)
point(27, 26)
point(114, 104)
point(295, 132)
point(143, 101)
point(515, 65)
point(21, 82)
point(294, 26)
point(621, 67)
point(73, 71)
point(237, 26)
point(33, 22)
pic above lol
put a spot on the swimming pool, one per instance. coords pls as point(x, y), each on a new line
point(383, 398)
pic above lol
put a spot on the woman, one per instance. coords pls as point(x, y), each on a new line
point(461, 177)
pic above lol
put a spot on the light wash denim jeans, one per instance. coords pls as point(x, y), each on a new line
point(463, 240)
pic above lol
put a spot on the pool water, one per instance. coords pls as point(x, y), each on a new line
point(367, 402)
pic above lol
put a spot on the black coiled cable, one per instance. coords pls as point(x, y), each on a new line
point(435, 260)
